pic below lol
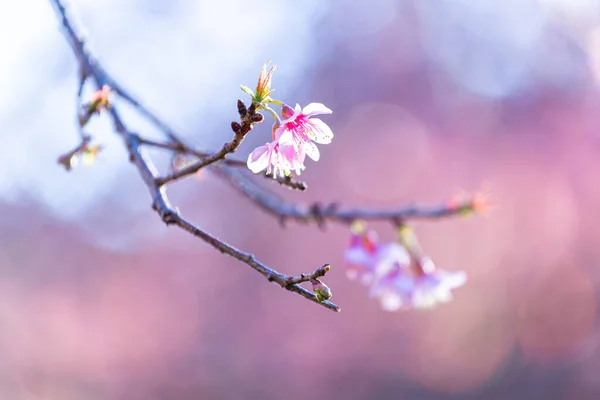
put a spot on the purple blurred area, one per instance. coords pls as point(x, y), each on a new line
point(429, 97)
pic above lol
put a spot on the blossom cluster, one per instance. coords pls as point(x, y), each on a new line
point(294, 134)
point(398, 275)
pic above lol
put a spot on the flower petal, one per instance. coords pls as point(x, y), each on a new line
point(311, 150)
point(258, 160)
point(391, 256)
point(321, 132)
point(315, 109)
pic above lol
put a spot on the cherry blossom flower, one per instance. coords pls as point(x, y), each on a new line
point(423, 286)
point(397, 274)
point(366, 259)
point(278, 157)
point(304, 129)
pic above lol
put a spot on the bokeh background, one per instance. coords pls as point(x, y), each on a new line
point(99, 300)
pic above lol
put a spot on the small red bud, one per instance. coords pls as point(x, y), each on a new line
point(241, 108)
point(235, 127)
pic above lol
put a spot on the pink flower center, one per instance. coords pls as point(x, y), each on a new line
point(301, 126)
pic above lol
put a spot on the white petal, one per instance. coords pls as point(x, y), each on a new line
point(279, 132)
point(284, 136)
point(258, 160)
point(321, 133)
point(311, 150)
point(315, 109)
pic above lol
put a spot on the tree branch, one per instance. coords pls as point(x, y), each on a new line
point(160, 202)
point(332, 212)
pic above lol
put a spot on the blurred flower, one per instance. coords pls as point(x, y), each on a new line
point(396, 273)
point(263, 87)
point(306, 130)
point(89, 154)
point(321, 290)
point(366, 259)
point(423, 286)
point(99, 101)
point(85, 154)
point(463, 203)
point(278, 157)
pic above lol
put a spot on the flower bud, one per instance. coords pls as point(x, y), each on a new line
point(235, 127)
point(321, 290)
point(263, 87)
point(287, 111)
point(257, 118)
point(241, 108)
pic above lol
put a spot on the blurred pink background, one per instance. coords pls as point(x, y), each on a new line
point(429, 97)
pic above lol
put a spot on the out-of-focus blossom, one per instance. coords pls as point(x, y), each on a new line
point(464, 203)
point(397, 275)
point(86, 154)
point(421, 285)
point(263, 87)
point(304, 129)
point(99, 101)
point(366, 259)
point(278, 157)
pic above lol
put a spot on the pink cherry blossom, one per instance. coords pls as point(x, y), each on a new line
point(423, 287)
point(366, 259)
point(278, 157)
point(304, 129)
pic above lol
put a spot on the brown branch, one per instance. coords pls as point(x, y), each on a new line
point(248, 117)
point(179, 147)
point(332, 212)
point(148, 173)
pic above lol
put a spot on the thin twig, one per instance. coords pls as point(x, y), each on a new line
point(319, 272)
